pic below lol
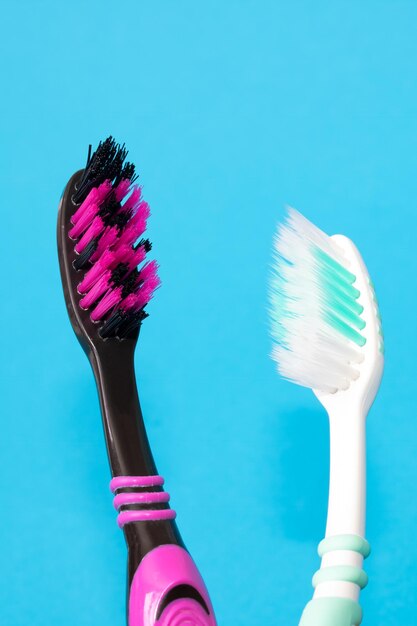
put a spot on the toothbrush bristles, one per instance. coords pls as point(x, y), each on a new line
point(107, 226)
point(316, 317)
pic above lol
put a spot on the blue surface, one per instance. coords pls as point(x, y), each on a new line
point(230, 110)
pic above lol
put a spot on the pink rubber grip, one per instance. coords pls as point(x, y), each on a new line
point(156, 594)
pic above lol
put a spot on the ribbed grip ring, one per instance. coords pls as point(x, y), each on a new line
point(342, 573)
point(346, 573)
point(345, 542)
point(139, 498)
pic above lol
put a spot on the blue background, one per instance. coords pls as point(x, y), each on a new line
point(230, 110)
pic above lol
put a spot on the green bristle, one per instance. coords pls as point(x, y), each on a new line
point(341, 308)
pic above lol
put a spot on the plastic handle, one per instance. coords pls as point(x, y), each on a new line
point(167, 590)
point(337, 583)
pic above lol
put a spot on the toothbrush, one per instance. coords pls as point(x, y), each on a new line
point(327, 336)
point(102, 218)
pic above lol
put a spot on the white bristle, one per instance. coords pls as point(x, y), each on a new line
point(311, 321)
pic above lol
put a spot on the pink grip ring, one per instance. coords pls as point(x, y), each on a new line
point(140, 497)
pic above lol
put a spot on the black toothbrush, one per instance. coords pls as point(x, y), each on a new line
point(101, 220)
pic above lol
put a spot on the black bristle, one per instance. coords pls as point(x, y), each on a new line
point(119, 273)
point(130, 283)
point(127, 172)
point(145, 243)
point(111, 326)
point(96, 162)
point(109, 207)
point(118, 219)
point(90, 147)
point(82, 260)
point(121, 323)
point(106, 163)
point(131, 322)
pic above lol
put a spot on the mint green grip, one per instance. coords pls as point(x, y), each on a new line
point(331, 612)
point(337, 611)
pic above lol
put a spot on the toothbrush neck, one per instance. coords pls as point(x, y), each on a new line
point(128, 447)
point(347, 491)
point(127, 443)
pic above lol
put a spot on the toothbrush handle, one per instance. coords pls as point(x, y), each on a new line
point(164, 586)
point(347, 485)
point(340, 578)
point(127, 443)
point(340, 573)
point(143, 506)
point(163, 581)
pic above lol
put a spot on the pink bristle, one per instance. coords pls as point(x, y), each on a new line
point(96, 196)
point(137, 300)
point(146, 292)
point(143, 209)
point(122, 189)
point(148, 271)
point(97, 290)
point(129, 302)
point(124, 254)
point(90, 199)
point(108, 238)
point(85, 220)
point(133, 200)
point(151, 282)
point(136, 257)
point(93, 231)
point(112, 297)
point(136, 226)
point(107, 260)
point(132, 233)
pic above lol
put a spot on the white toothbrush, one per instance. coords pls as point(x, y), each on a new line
point(327, 336)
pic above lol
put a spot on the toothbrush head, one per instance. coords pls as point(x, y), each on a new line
point(325, 322)
point(102, 252)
